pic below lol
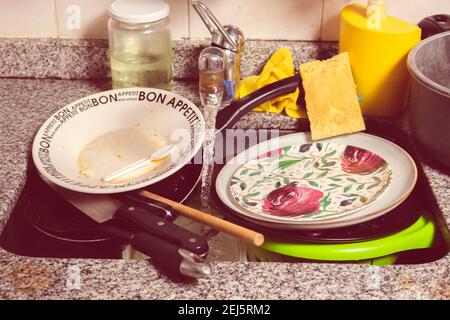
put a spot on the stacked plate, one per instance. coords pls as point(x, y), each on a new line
point(292, 183)
point(340, 199)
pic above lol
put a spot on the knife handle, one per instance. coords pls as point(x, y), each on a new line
point(240, 232)
point(170, 255)
point(146, 221)
point(160, 209)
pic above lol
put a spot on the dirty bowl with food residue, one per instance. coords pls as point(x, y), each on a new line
point(96, 135)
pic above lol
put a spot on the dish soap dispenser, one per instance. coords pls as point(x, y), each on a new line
point(378, 45)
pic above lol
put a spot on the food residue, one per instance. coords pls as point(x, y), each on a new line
point(117, 149)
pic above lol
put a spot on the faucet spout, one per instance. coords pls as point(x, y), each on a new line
point(209, 19)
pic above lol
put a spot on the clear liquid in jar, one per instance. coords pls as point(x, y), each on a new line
point(128, 70)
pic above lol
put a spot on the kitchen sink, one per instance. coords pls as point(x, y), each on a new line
point(39, 208)
point(21, 236)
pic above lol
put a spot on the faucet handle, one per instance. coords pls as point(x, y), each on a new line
point(234, 33)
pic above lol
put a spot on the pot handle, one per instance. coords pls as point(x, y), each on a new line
point(227, 117)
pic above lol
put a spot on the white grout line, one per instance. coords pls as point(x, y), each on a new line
point(188, 3)
point(321, 20)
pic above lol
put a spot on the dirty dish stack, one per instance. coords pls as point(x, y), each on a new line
point(341, 199)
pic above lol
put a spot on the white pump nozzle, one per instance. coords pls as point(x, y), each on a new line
point(376, 13)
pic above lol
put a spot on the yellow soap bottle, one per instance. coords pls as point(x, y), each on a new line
point(378, 46)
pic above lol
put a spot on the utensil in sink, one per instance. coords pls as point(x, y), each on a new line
point(172, 246)
point(102, 208)
point(157, 155)
point(43, 207)
point(235, 230)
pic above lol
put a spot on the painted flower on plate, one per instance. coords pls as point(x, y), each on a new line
point(270, 154)
point(360, 161)
point(292, 201)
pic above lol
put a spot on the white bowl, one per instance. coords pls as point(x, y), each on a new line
point(100, 133)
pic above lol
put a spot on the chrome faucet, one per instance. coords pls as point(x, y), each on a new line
point(231, 40)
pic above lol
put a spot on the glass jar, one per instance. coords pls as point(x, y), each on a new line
point(140, 45)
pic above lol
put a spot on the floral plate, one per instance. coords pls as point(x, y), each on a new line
point(338, 182)
point(312, 181)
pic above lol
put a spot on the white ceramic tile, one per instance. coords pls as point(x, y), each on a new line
point(409, 10)
point(82, 18)
point(265, 19)
point(179, 22)
point(27, 18)
point(415, 10)
point(89, 18)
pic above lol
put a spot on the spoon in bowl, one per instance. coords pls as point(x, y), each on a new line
point(159, 154)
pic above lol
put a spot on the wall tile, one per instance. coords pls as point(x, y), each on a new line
point(330, 21)
point(94, 18)
point(82, 18)
point(179, 21)
point(27, 18)
point(265, 19)
point(259, 19)
point(415, 10)
point(411, 10)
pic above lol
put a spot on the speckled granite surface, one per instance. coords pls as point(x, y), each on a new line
point(26, 103)
point(88, 58)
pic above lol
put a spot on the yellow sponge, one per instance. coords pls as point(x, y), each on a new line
point(331, 99)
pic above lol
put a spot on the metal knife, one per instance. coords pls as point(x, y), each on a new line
point(167, 254)
point(151, 223)
point(167, 243)
point(152, 219)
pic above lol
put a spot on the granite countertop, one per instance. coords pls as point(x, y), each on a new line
point(26, 103)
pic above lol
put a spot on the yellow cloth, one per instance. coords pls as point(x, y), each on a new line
point(280, 66)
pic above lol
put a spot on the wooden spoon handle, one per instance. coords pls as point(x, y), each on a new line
point(235, 230)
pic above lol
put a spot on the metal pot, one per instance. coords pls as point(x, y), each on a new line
point(429, 99)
